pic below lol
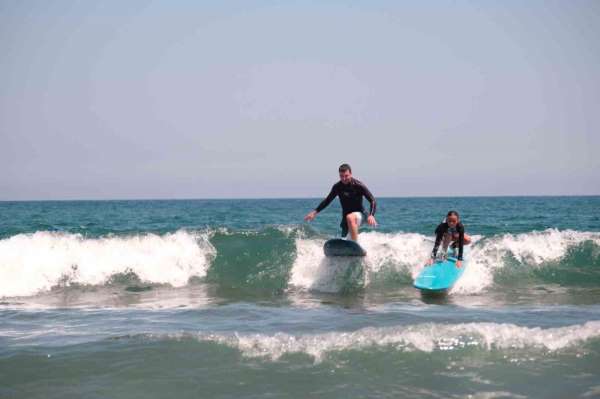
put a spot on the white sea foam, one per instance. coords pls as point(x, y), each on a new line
point(408, 252)
point(533, 249)
point(400, 253)
point(427, 337)
point(30, 263)
point(309, 264)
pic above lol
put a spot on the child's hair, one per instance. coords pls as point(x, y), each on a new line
point(453, 213)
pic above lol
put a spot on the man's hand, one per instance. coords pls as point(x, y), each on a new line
point(371, 220)
point(459, 263)
point(310, 216)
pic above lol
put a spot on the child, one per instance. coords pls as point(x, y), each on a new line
point(451, 230)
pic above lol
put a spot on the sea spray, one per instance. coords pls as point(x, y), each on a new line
point(282, 257)
point(30, 263)
point(512, 255)
point(426, 337)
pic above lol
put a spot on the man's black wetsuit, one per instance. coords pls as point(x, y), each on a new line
point(442, 229)
point(351, 200)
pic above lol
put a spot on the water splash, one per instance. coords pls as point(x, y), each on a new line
point(30, 263)
point(428, 337)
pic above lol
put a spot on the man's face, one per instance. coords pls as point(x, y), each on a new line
point(345, 176)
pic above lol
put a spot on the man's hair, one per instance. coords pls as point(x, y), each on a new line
point(345, 167)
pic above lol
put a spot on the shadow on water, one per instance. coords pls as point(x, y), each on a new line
point(436, 297)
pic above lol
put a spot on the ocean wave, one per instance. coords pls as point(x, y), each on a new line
point(513, 255)
point(397, 256)
point(283, 257)
point(427, 337)
point(256, 260)
point(30, 263)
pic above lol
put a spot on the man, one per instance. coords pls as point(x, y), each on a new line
point(350, 192)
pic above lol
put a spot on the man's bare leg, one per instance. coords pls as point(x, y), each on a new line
point(352, 226)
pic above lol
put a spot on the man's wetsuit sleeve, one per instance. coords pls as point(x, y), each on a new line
point(370, 198)
point(327, 200)
point(461, 241)
point(439, 233)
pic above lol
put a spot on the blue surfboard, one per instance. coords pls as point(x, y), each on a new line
point(341, 247)
point(440, 276)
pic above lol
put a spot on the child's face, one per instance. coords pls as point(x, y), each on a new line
point(452, 221)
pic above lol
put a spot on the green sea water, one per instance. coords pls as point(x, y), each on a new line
point(234, 298)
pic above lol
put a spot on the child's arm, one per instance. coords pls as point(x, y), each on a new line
point(439, 233)
point(461, 242)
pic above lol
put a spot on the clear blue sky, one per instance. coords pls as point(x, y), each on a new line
point(195, 99)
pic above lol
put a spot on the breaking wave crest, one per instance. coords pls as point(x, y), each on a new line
point(564, 257)
point(428, 337)
point(279, 258)
point(30, 263)
point(508, 259)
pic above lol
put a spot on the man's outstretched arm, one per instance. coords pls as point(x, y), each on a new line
point(312, 214)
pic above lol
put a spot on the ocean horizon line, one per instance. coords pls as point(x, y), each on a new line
point(294, 198)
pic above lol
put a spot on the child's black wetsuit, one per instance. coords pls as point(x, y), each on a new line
point(442, 229)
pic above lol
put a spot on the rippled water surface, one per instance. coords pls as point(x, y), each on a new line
point(234, 298)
